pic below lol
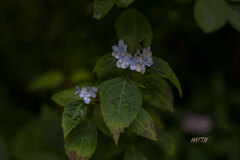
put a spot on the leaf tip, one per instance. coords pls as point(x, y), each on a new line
point(116, 134)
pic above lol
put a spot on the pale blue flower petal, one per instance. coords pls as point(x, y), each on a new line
point(93, 95)
point(76, 92)
point(133, 67)
point(87, 100)
point(77, 88)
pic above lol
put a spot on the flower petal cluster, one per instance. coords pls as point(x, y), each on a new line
point(86, 93)
point(138, 62)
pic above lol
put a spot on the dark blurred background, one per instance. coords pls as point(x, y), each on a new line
point(47, 46)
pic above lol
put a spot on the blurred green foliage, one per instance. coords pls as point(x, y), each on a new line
point(39, 36)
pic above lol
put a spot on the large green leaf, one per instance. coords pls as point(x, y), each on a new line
point(133, 154)
point(134, 29)
point(210, 15)
point(162, 69)
point(234, 14)
point(143, 125)
point(73, 114)
point(98, 119)
point(102, 7)
point(124, 3)
point(105, 63)
point(120, 103)
point(47, 80)
point(157, 92)
point(81, 141)
point(64, 97)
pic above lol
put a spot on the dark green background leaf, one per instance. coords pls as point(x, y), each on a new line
point(73, 114)
point(120, 103)
point(234, 15)
point(48, 80)
point(64, 97)
point(38, 135)
point(80, 75)
point(134, 29)
point(102, 7)
point(124, 3)
point(4, 153)
point(166, 142)
point(43, 155)
point(210, 15)
point(133, 154)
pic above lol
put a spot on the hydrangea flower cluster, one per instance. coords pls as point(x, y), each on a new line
point(86, 93)
point(138, 62)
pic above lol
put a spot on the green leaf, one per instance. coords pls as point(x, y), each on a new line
point(166, 142)
point(143, 125)
point(98, 120)
point(162, 69)
point(124, 3)
point(134, 29)
point(73, 114)
point(133, 154)
point(81, 142)
point(47, 81)
point(158, 93)
point(64, 97)
point(120, 103)
point(102, 7)
point(105, 63)
point(234, 15)
point(210, 15)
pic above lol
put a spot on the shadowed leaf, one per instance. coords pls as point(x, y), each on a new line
point(162, 69)
point(143, 125)
point(157, 93)
point(98, 119)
